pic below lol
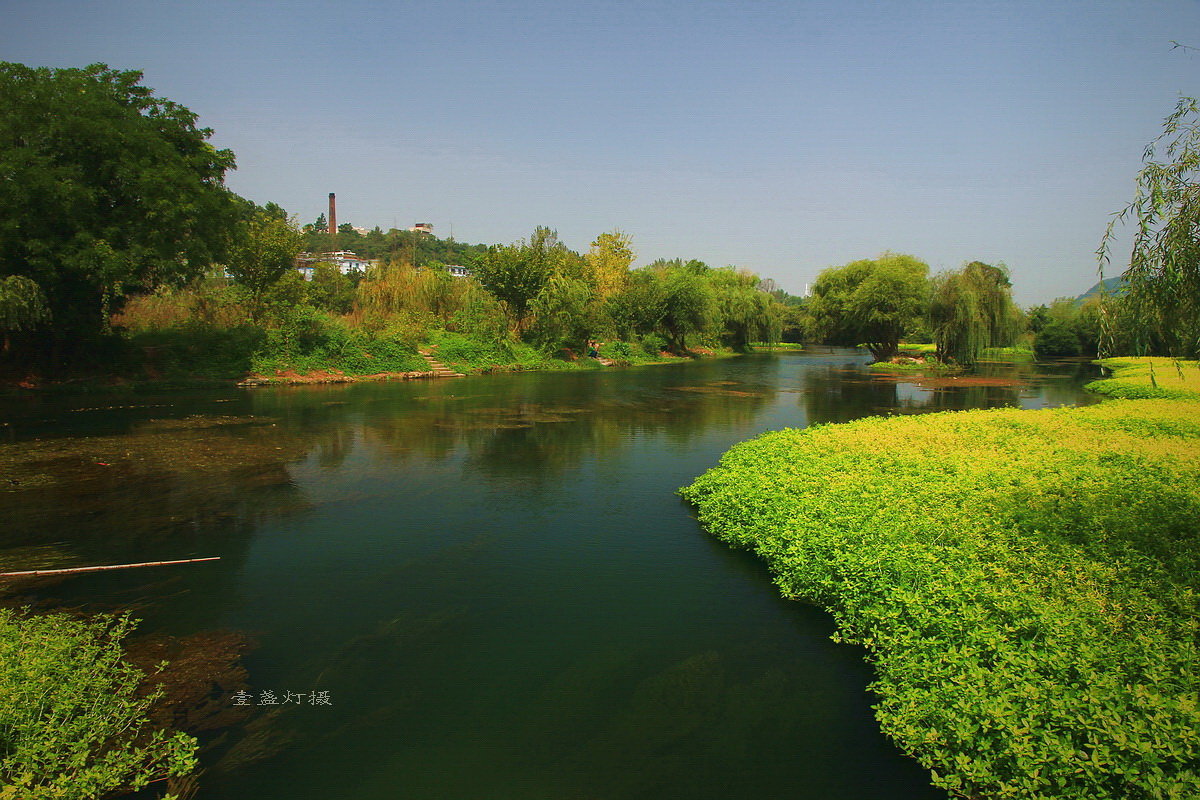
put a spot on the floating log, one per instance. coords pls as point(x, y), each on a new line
point(100, 569)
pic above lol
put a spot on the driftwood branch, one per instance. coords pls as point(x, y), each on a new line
point(101, 569)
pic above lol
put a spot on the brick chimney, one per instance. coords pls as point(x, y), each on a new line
point(332, 215)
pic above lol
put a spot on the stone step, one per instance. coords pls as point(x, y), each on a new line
point(438, 368)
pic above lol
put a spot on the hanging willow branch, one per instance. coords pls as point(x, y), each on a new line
point(1162, 282)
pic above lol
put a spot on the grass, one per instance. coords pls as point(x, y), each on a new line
point(469, 354)
point(1020, 351)
point(1025, 583)
point(795, 346)
point(313, 342)
point(1149, 377)
point(929, 367)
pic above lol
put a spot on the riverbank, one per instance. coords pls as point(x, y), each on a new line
point(160, 362)
point(1024, 582)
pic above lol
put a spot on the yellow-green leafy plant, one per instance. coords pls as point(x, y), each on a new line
point(1025, 583)
point(72, 719)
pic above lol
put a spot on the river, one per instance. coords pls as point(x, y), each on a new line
point(482, 587)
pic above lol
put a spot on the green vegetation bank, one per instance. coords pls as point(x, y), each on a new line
point(1025, 582)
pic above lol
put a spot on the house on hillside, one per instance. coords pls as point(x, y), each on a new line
point(348, 262)
point(345, 260)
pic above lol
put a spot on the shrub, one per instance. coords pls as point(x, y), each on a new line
point(1056, 340)
point(199, 351)
point(210, 300)
point(310, 341)
point(653, 344)
point(618, 351)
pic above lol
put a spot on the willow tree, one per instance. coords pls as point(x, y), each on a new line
point(689, 303)
point(1162, 282)
point(564, 313)
point(970, 310)
point(639, 308)
point(22, 306)
point(747, 312)
point(871, 302)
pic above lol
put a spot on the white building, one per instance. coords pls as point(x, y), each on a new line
point(345, 260)
point(348, 262)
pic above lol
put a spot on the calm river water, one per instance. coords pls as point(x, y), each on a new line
point(482, 587)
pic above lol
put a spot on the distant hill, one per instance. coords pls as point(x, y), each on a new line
point(1111, 286)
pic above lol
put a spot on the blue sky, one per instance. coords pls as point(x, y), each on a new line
point(783, 137)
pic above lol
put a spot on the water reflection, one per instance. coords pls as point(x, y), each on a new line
point(843, 392)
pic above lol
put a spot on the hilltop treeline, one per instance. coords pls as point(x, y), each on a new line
point(412, 247)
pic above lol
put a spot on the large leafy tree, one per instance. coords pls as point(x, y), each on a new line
point(264, 247)
point(971, 309)
point(639, 308)
point(871, 302)
point(565, 312)
point(689, 303)
point(1162, 282)
point(105, 189)
point(517, 273)
point(330, 289)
